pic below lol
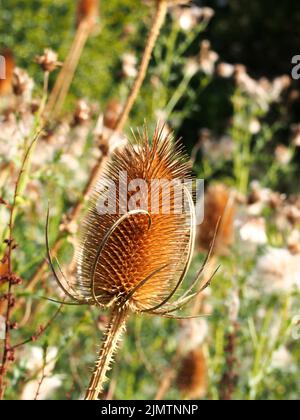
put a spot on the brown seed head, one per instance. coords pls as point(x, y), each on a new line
point(219, 210)
point(192, 375)
point(140, 255)
point(6, 84)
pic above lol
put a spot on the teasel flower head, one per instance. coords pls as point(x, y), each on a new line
point(48, 61)
point(135, 242)
point(217, 226)
point(87, 11)
point(192, 375)
point(9, 63)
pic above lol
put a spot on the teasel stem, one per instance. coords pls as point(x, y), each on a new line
point(65, 77)
point(157, 23)
point(115, 329)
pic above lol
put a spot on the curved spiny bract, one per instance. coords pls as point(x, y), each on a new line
point(137, 257)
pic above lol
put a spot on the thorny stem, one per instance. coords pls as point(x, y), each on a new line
point(115, 329)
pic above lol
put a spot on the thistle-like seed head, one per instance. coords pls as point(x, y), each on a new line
point(137, 256)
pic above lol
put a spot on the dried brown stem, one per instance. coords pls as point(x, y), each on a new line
point(230, 376)
point(115, 329)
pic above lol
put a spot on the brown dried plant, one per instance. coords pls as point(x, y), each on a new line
point(192, 375)
point(156, 25)
point(135, 262)
point(86, 20)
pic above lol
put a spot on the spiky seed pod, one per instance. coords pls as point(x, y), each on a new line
point(146, 244)
point(219, 213)
point(6, 84)
point(192, 375)
point(88, 11)
point(136, 261)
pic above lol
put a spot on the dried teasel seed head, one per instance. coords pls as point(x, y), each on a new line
point(48, 61)
point(88, 11)
point(219, 213)
point(3, 267)
point(9, 65)
point(192, 375)
point(137, 257)
point(83, 112)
